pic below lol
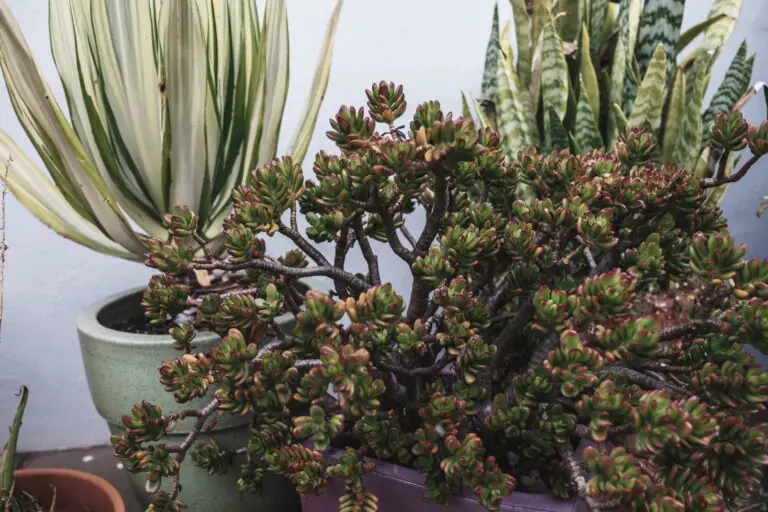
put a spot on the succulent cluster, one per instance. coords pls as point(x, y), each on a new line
point(609, 304)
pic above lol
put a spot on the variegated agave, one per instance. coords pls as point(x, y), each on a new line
point(585, 69)
point(171, 102)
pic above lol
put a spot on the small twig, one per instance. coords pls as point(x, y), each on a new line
point(307, 363)
point(408, 236)
point(340, 258)
point(294, 222)
point(715, 182)
point(576, 473)
point(368, 254)
point(3, 246)
point(588, 255)
point(646, 381)
point(691, 327)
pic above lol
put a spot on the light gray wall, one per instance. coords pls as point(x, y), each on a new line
point(434, 47)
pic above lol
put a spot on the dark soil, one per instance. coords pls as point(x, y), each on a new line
point(140, 325)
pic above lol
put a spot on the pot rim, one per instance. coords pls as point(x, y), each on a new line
point(118, 504)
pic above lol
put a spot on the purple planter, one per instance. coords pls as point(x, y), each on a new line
point(401, 489)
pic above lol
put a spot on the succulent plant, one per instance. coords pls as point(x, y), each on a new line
point(608, 304)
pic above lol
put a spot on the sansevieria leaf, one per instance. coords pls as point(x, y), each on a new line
point(629, 18)
point(558, 135)
point(675, 115)
point(598, 15)
point(589, 83)
point(733, 86)
point(718, 33)
point(525, 42)
point(659, 25)
point(490, 71)
point(554, 72)
point(586, 130)
point(687, 146)
point(649, 102)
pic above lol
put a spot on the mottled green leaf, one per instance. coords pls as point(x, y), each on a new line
point(558, 136)
point(554, 72)
point(515, 118)
point(568, 19)
point(659, 25)
point(621, 119)
point(629, 19)
point(675, 115)
point(589, 82)
point(466, 112)
point(733, 86)
point(542, 14)
point(586, 130)
point(649, 102)
point(488, 88)
point(524, 40)
point(598, 14)
point(687, 145)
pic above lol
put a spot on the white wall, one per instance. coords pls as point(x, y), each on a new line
point(434, 47)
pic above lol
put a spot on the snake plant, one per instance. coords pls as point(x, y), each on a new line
point(584, 70)
point(170, 102)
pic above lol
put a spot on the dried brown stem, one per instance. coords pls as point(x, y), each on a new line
point(694, 326)
point(303, 244)
point(717, 181)
point(415, 372)
point(646, 381)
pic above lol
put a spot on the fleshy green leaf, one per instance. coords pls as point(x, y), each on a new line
point(649, 102)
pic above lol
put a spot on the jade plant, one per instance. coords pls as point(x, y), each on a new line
point(582, 71)
point(610, 306)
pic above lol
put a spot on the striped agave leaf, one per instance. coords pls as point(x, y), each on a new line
point(134, 73)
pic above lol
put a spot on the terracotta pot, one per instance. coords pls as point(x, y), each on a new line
point(76, 491)
point(401, 489)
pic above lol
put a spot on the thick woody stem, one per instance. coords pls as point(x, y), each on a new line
point(340, 258)
point(577, 474)
point(415, 372)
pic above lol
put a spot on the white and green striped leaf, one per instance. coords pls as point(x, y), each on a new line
point(558, 135)
point(554, 72)
point(718, 33)
point(317, 90)
point(490, 70)
point(185, 60)
point(586, 130)
point(649, 103)
point(55, 139)
point(695, 31)
point(733, 86)
point(659, 25)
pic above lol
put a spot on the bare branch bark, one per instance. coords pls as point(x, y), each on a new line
point(722, 180)
point(368, 254)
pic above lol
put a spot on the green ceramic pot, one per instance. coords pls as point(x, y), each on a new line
point(121, 368)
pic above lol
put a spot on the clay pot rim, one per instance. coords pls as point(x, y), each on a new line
point(118, 505)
